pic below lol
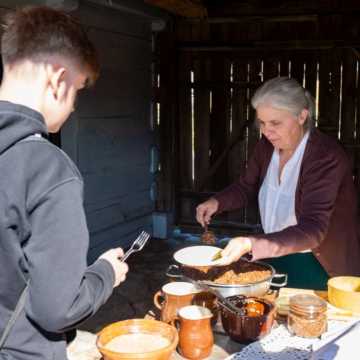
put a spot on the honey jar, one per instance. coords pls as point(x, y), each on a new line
point(307, 316)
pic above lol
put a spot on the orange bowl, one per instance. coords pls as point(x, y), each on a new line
point(142, 327)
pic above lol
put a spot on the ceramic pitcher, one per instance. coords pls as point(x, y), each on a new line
point(172, 297)
point(195, 334)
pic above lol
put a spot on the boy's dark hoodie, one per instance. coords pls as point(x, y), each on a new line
point(43, 238)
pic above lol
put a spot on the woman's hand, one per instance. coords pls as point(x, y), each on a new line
point(234, 250)
point(120, 268)
point(205, 210)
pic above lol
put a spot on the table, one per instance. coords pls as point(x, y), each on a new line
point(84, 345)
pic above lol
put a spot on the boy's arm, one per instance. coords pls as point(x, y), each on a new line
point(63, 289)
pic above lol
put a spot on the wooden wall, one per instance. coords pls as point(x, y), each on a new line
point(110, 135)
point(220, 64)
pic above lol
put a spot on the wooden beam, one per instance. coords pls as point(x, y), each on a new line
point(132, 7)
point(238, 11)
point(67, 5)
point(186, 8)
point(271, 45)
point(256, 19)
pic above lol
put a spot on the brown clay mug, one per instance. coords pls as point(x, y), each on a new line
point(195, 334)
point(172, 297)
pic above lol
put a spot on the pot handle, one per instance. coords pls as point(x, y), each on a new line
point(279, 276)
point(173, 271)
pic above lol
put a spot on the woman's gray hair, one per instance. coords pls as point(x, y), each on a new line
point(285, 94)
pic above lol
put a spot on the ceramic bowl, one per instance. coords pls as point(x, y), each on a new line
point(136, 328)
point(344, 293)
point(244, 328)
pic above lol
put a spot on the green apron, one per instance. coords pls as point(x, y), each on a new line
point(303, 269)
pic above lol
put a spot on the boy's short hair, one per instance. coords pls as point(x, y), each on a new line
point(35, 32)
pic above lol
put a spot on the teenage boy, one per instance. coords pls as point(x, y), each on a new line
point(44, 239)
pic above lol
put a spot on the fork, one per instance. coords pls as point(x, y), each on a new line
point(137, 245)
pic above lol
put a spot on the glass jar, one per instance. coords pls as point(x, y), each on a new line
point(307, 316)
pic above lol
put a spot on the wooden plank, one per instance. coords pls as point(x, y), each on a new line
point(348, 107)
point(202, 68)
point(270, 67)
point(347, 129)
point(357, 56)
point(183, 31)
point(106, 19)
point(219, 128)
point(325, 90)
point(184, 123)
point(284, 65)
point(357, 152)
point(185, 131)
point(187, 8)
point(329, 94)
point(249, 20)
point(311, 73)
point(166, 130)
point(288, 8)
point(187, 210)
point(205, 31)
point(297, 67)
point(240, 108)
point(254, 71)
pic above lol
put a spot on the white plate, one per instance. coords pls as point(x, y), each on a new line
point(197, 255)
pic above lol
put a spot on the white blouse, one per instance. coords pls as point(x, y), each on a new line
point(277, 200)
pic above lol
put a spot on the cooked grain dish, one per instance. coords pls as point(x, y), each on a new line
point(137, 343)
point(241, 272)
point(231, 277)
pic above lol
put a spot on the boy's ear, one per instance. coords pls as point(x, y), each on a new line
point(57, 81)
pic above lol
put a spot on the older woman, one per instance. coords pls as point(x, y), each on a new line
point(304, 186)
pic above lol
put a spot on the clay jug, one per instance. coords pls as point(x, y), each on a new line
point(195, 334)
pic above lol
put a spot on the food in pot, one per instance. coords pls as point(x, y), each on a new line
point(251, 276)
point(137, 343)
point(254, 308)
point(208, 237)
point(248, 306)
point(241, 272)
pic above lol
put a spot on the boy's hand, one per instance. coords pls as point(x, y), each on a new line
point(120, 268)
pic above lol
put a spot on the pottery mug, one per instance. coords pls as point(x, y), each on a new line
point(195, 334)
point(172, 297)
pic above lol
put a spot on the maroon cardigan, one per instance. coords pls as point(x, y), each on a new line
point(325, 206)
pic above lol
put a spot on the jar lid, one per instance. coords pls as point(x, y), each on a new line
point(307, 304)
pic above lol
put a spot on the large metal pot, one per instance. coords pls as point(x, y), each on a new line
point(251, 289)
